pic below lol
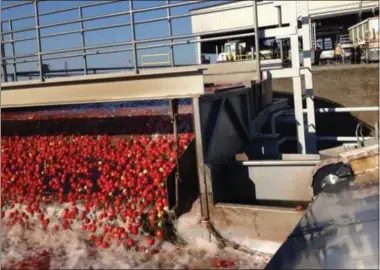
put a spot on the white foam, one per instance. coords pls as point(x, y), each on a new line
point(69, 249)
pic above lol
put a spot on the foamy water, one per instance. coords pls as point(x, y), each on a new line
point(70, 249)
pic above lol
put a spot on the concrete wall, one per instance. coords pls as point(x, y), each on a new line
point(349, 85)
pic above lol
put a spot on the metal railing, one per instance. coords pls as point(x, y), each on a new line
point(356, 138)
point(40, 56)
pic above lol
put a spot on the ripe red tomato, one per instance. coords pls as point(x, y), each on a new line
point(160, 234)
point(150, 241)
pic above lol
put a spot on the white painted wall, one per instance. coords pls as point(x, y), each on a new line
point(228, 18)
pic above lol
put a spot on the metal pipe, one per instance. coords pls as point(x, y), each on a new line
point(280, 162)
point(63, 10)
point(116, 14)
point(19, 30)
point(38, 38)
point(133, 36)
point(311, 143)
point(87, 19)
point(144, 41)
point(3, 62)
point(327, 138)
point(168, 13)
point(13, 52)
point(127, 49)
point(279, 13)
point(180, 4)
point(347, 109)
point(16, 40)
point(257, 45)
point(16, 5)
point(340, 138)
point(83, 40)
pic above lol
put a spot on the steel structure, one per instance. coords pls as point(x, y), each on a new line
point(41, 56)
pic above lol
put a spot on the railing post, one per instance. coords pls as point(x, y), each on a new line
point(170, 33)
point(13, 51)
point(133, 36)
point(311, 143)
point(257, 44)
point(38, 38)
point(83, 39)
point(279, 13)
point(3, 62)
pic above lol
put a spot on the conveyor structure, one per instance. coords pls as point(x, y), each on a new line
point(251, 198)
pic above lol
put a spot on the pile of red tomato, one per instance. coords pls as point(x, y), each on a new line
point(41, 260)
point(112, 184)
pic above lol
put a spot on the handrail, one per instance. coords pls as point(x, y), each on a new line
point(42, 55)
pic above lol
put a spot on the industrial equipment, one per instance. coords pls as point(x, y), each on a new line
point(340, 228)
point(234, 50)
point(365, 35)
point(242, 200)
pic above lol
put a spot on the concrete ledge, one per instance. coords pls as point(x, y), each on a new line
point(157, 84)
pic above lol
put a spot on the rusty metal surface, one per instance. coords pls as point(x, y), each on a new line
point(340, 230)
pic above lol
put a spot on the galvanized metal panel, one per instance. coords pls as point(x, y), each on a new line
point(283, 181)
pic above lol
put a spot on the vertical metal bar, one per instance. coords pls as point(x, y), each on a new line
point(200, 160)
point(83, 40)
point(3, 62)
point(297, 87)
point(198, 52)
point(38, 38)
point(216, 51)
point(279, 12)
point(13, 51)
point(133, 36)
point(174, 119)
point(168, 13)
point(256, 22)
point(314, 35)
point(311, 141)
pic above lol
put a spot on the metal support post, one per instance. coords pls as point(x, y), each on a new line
point(13, 50)
point(83, 39)
point(3, 62)
point(256, 22)
point(38, 38)
point(133, 36)
point(279, 12)
point(174, 120)
point(200, 160)
point(168, 13)
point(311, 142)
point(297, 93)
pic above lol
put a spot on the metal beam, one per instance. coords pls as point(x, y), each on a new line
point(205, 214)
point(158, 84)
point(297, 87)
point(257, 44)
point(311, 143)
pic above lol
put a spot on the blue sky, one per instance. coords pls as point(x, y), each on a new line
point(184, 54)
